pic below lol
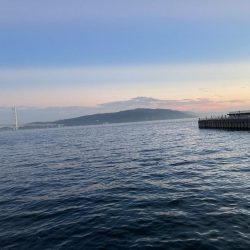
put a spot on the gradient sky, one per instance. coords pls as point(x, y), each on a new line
point(88, 52)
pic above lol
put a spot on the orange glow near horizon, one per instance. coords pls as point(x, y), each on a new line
point(207, 87)
point(197, 100)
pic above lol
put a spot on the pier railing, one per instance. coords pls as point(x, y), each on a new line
point(224, 118)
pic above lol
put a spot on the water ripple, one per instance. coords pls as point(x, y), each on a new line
point(153, 185)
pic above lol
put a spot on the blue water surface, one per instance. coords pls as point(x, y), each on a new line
point(151, 185)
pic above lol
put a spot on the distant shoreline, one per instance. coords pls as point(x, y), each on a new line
point(127, 116)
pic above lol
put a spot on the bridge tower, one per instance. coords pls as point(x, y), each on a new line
point(14, 112)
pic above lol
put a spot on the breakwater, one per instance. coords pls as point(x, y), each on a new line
point(239, 123)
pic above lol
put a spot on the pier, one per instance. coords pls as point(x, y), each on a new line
point(239, 120)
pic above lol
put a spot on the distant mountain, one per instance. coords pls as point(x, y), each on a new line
point(134, 115)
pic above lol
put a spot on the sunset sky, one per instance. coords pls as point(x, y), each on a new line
point(189, 54)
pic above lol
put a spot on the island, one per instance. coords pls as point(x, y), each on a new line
point(126, 116)
point(134, 115)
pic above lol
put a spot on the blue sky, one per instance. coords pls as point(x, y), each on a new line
point(124, 43)
point(59, 33)
point(84, 53)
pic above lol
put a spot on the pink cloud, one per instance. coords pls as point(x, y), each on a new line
point(196, 105)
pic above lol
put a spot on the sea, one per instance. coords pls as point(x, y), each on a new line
point(146, 185)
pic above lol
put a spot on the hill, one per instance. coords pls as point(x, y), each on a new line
point(135, 115)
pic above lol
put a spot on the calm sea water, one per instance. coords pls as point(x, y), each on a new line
point(154, 185)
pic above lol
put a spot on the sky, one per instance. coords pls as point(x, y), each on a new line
point(65, 54)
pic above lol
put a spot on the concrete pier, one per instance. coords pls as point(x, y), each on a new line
point(239, 120)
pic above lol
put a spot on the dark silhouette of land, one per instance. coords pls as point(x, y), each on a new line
point(135, 115)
